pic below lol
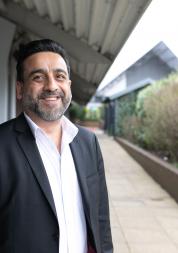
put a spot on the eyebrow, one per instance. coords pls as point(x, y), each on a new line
point(43, 71)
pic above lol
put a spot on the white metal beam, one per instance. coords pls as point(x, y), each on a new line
point(53, 10)
point(119, 12)
point(29, 4)
point(8, 30)
point(67, 13)
point(134, 11)
point(2, 6)
point(42, 27)
point(102, 11)
point(82, 18)
point(41, 7)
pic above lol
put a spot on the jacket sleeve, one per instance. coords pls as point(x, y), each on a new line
point(104, 218)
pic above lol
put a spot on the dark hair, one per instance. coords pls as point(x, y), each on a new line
point(43, 45)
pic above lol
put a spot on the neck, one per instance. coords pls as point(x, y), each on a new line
point(52, 128)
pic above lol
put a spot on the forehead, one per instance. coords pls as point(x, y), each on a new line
point(44, 60)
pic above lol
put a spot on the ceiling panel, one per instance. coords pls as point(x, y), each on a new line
point(41, 7)
point(92, 31)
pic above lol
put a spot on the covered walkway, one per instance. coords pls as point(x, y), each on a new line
point(144, 217)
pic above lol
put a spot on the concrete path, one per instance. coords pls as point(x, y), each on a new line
point(144, 217)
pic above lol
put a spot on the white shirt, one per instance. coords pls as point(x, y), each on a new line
point(64, 185)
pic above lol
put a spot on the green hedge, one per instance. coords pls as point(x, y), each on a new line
point(150, 117)
point(126, 107)
point(160, 122)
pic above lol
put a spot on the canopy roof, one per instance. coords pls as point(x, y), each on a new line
point(92, 32)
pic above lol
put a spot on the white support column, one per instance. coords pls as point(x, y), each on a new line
point(7, 31)
point(12, 89)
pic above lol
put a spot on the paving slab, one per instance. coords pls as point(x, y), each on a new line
point(144, 217)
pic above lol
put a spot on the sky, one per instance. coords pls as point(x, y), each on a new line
point(158, 23)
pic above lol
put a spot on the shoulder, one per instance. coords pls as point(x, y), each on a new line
point(87, 138)
point(85, 133)
point(6, 133)
point(11, 126)
point(6, 126)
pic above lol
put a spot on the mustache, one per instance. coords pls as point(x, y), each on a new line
point(47, 94)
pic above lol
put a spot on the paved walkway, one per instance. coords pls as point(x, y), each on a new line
point(144, 217)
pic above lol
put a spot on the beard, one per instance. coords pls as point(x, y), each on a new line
point(47, 113)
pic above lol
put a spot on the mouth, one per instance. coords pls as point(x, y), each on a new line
point(51, 98)
point(51, 101)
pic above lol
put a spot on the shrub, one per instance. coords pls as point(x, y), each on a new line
point(150, 117)
point(125, 109)
point(161, 120)
point(131, 128)
point(93, 114)
point(150, 90)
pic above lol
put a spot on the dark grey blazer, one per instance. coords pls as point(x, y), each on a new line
point(28, 221)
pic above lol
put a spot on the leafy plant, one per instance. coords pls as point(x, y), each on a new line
point(150, 117)
point(125, 108)
point(161, 120)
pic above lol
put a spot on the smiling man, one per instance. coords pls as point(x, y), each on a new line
point(53, 195)
point(47, 91)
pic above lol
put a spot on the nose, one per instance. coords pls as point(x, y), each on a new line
point(50, 84)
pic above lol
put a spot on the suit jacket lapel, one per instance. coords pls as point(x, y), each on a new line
point(76, 150)
point(28, 145)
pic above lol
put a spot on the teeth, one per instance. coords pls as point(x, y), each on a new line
point(51, 99)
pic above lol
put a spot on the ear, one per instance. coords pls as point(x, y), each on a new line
point(19, 90)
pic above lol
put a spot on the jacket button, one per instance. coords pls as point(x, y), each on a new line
point(56, 236)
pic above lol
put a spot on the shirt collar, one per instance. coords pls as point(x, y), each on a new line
point(69, 130)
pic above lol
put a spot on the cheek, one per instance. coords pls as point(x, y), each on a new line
point(67, 89)
point(32, 91)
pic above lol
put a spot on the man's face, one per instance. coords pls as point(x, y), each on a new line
point(45, 91)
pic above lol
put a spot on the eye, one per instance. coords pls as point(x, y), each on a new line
point(60, 76)
point(38, 77)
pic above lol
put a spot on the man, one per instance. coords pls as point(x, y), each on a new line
point(53, 196)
